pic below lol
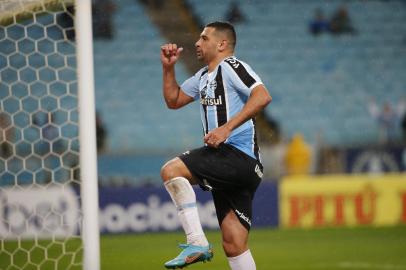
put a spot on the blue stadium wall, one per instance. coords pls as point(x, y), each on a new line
point(294, 202)
point(126, 210)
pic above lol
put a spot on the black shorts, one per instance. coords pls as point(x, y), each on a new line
point(230, 174)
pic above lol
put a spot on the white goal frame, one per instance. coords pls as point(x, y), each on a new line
point(87, 136)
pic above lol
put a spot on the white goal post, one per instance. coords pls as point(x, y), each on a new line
point(88, 156)
point(48, 180)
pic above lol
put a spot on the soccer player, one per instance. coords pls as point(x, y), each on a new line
point(230, 94)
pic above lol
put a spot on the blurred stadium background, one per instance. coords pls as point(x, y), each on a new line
point(333, 139)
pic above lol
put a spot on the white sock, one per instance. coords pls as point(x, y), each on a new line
point(184, 198)
point(243, 261)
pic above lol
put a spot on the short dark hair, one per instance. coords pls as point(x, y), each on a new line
point(227, 28)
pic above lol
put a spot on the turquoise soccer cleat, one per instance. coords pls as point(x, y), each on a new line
point(189, 255)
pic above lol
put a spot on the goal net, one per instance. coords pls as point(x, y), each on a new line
point(40, 202)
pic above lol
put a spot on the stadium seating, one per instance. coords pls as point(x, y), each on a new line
point(129, 89)
point(306, 75)
point(322, 85)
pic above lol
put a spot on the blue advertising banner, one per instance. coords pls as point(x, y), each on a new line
point(376, 160)
point(266, 205)
point(145, 209)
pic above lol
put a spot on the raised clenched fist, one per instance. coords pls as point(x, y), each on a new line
point(170, 54)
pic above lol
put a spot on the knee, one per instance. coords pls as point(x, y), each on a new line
point(169, 171)
point(233, 248)
point(175, 168)
point(165, 172)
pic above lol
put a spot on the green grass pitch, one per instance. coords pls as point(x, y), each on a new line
point(324, 249)
point(273, 249)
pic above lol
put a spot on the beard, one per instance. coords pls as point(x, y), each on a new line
point(199, 55)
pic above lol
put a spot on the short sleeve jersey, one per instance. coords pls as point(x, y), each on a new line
point(222, 94)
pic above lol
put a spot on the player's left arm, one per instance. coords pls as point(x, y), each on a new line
point(257, 101)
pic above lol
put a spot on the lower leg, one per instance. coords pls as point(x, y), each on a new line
point(244, 261)
point(235, 243)
point(184, 198)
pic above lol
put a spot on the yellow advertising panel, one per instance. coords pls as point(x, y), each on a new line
point(342, 200)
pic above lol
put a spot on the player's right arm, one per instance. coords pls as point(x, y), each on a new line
point(174, 97)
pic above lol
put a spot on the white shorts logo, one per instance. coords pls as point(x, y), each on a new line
point(258, 171)
point(243, 217)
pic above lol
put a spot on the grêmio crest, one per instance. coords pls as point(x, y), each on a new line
point(207, 96)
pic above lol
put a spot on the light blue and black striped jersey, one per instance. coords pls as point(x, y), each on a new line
point(222, 94)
